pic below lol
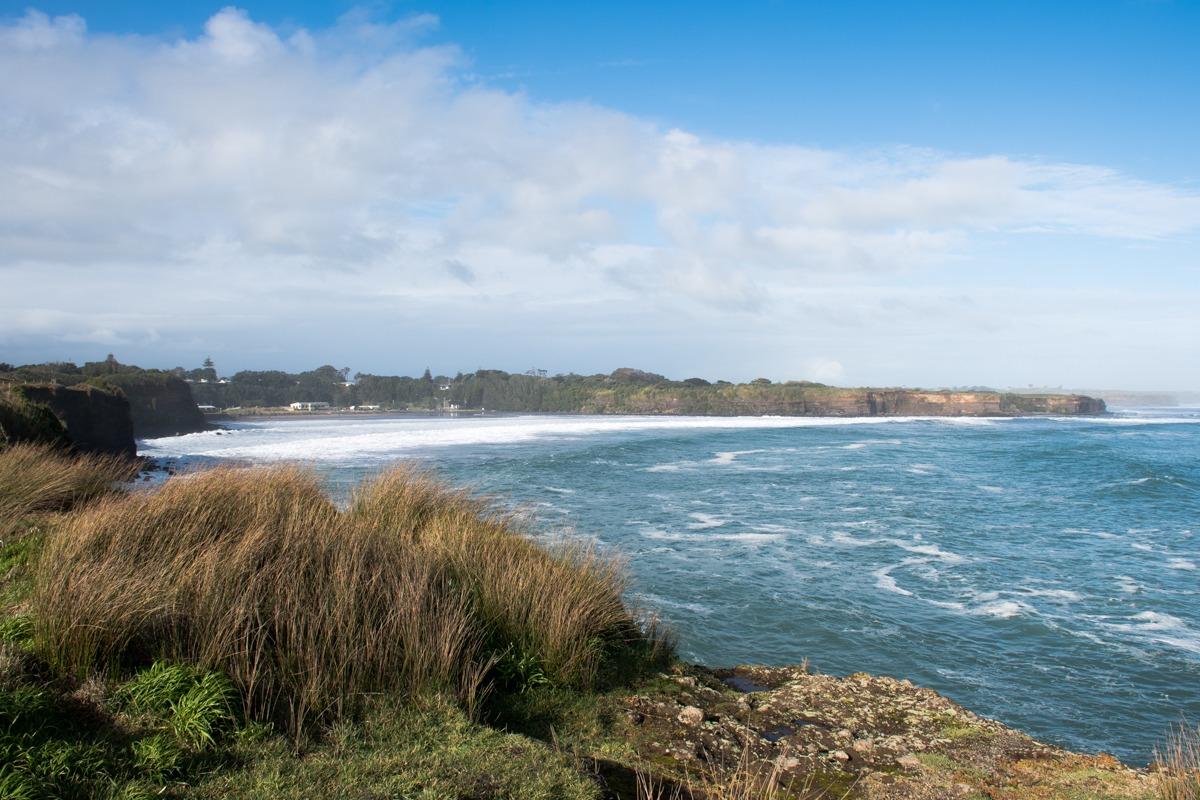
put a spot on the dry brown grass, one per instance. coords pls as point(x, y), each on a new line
point(414, 588)
point(562, 604)
point(39, 478)
point(1179, 765)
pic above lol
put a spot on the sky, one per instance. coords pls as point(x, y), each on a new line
point(920, 194)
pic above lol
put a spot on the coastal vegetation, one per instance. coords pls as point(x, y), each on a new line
point(623, 391)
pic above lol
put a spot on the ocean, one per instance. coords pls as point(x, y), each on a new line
point(1042, 572)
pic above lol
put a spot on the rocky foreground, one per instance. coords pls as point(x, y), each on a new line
point(861, 736)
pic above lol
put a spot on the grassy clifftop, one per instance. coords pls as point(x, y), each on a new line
point(629, 391)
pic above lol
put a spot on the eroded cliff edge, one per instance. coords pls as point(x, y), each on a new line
point(860, 737)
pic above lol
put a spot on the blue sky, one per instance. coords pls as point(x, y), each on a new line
point(900, 193)
point(1103, 81)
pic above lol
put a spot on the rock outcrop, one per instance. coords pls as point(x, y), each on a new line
point(93, 419)
point(861, 736)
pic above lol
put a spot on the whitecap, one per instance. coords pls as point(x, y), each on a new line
point(1181, 563)
point(1127, 584)
point(705, 521)
point(729, 456)
point(1002, 609)
point(885, 581)
point(929, 550)
point(746, 536)
point(1161, 628)
point(1063, 595)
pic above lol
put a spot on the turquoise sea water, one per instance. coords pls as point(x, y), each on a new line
point(1039, 571)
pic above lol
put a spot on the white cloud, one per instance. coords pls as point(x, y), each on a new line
point(266, 169)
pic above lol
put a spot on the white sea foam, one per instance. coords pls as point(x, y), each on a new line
point(767, 527)
point(1062, 595)
point(745, 536)
point(926, 550)
point(992, 489)
point(1127, 584)
point(866, 442)
point(558, 490)
point(1161, 628)
point(1002, 609)
point(339, 439)
point(885, 581)
point(705, 521)
point(1181, 563)
point(729, 456)
point(1087, 532)
point(843, 538)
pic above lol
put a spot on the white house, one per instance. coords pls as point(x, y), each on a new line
point(306, 406)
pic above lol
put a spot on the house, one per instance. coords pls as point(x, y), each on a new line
point(309, 406)
point(207, 409)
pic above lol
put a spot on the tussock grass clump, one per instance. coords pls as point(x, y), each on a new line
point(560, 606)
point(1179, 765)
point(415, 589)
point(38, 477)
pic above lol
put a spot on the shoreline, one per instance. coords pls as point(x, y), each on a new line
point(220, 417)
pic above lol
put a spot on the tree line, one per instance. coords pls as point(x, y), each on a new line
point(624, 389)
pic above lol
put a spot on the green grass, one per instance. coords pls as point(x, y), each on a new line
point(55, 743)
point(416, 750)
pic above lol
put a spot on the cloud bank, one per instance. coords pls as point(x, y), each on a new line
point(229, 191)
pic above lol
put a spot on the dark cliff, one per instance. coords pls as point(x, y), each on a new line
point(160, 404)
point(92, 419)
point(23, 421)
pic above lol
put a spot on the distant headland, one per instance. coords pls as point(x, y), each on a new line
point(92, 401)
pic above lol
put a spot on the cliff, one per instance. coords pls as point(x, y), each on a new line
point(160, 404)
point(92, 419)
point(24, 421)
point(633, 392)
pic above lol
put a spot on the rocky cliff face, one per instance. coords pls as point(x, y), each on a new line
point(789, 400)
point(95, 420)
point(160, 405)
